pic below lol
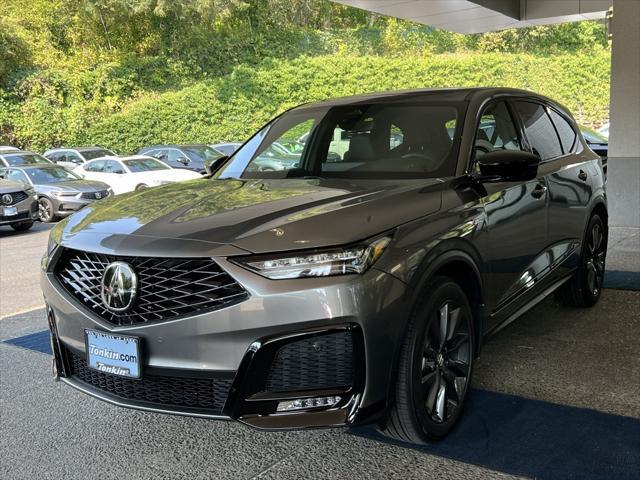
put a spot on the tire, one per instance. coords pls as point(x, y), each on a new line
point(421, 412)
point(142, 186)
point(22, 227)
point(585, 286)
point(45, 210)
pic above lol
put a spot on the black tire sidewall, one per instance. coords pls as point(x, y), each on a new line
point(440, 290)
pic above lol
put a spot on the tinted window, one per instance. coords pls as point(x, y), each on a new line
point(25, 159)
point(17, 176)
point(96, 166)
point(111, 166)
point(96, 153)
point(50, 175)
point(565, 131)
point(378, 140)
point(593, 137)
point(144, 165)
point(540, 131)
point(496, 131)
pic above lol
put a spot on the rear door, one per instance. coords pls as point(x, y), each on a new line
point(516, 219)
point(553, 137)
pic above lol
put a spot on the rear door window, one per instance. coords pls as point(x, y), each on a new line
point(541, 133)
point(565, 131)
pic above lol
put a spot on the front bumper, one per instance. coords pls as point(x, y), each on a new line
point(27, 212)
point(65, 206)
point(235, 348)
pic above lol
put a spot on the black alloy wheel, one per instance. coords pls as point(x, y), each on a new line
point(45, 210)
point(595, 258)
point(435, 365)
point(585, 287)
point(446, 362)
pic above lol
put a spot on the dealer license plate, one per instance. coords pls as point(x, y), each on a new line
point(113, 354)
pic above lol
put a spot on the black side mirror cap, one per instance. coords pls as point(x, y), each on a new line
point(508, 166)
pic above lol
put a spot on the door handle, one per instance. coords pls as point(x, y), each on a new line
point(583, 175)
point(539, 191)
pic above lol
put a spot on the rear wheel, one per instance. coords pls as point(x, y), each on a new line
point(45, 210)
point(435, 366)
point(21, 227)
point(585, 287)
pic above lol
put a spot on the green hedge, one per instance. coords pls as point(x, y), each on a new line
point(232, 107)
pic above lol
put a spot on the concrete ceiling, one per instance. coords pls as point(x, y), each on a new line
point(466, 16)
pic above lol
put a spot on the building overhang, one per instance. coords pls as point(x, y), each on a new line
point(477, 16)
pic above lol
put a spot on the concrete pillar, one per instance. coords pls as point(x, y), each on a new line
point(623, 186)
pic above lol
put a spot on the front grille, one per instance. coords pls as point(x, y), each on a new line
point(168, 288)
point(16, 197)
point(94, 195)
point(161, 391)
point(314, 363)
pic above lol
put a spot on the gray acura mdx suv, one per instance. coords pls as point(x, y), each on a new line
point(356, 286)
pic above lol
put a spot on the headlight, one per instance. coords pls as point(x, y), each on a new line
point(354, 259)
point(110, 191)
point(55, 237)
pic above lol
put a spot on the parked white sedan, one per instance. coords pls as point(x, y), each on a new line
point(125, 174)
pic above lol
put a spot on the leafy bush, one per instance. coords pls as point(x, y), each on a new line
point(235, 106)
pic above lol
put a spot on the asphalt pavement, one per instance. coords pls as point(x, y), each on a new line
point(20, 254)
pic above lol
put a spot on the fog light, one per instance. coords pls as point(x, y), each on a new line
point(302, 403)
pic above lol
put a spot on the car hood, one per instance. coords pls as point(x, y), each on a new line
point(73, 186)
point(255, 215)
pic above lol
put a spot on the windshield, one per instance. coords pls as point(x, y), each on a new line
point(50, 175)
point(96, 153)
point(25, 159)
point(144, 165)
point(415, 139)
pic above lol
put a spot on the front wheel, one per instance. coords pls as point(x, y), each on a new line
point(585, 287)
point(142, 186)
point(45, 210)
point(21, 227)
point(435, 365)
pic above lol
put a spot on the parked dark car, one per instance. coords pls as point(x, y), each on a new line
point(226, 148)
point(72, 157)
point(598, 143)
point(334, 292)
point(60, 192)
point(15, 158)
point(18, 205)
point(192, 157)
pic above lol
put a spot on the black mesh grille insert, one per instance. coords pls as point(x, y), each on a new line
point(94, 195)
point(319, 362)
point(16, 197)
point(205, 393)
point(167, 287)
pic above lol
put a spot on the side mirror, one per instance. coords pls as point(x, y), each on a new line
point(184, 160)
point(215, 165)
point(508, 166)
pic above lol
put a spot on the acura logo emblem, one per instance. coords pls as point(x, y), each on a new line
point(119, 286)
point(7, 199)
